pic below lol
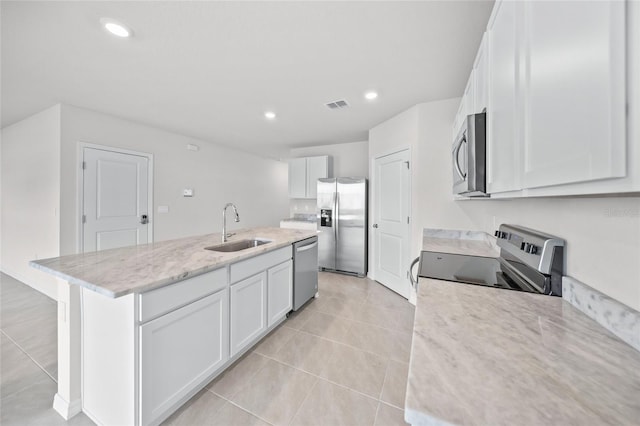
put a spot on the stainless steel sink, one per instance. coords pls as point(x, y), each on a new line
point(238, 245)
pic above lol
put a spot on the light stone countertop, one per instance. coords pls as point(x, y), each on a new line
point(454, 246)
point(492, 356)
point(145, 267)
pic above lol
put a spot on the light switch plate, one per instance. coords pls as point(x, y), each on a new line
point(187, 192)
point(163, 209)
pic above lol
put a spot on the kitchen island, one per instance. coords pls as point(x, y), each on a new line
point(142, 329)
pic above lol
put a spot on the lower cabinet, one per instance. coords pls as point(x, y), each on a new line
point(279, 291)
point(179, 350)
point(248, 311)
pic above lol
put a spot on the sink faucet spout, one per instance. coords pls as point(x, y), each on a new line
point(224, 220)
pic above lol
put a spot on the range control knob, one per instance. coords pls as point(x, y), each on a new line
point(500, 234)
point(532, 249)
point(525, 247)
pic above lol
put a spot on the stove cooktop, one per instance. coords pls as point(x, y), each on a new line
point(485, 271)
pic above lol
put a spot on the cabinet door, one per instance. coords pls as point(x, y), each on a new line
point(503, 145)
point(574, 92)
point(279, 292)
point(180, 350)
point(297, 177)
point(469, 95)
point(317, 168)
point(481, 78)
point(248, 311)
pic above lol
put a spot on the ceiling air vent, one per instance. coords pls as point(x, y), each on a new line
point(337, 104)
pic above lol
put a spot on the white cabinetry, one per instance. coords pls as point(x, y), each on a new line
point(304, 174)
point(480, 78)
point(503, 149)
point(317, 168)
point(248, 314)
point(179, 350)
point(279, 292)
point(556, 105)
point(143, 355)
point(261, 295)
point(298, 178)
point(574, 92)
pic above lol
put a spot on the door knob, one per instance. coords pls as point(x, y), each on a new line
point(375, 225)
point(144, 219)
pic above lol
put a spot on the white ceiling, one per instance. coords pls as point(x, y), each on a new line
point(210, 69)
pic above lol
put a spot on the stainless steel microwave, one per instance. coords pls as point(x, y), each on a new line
point(469, 157)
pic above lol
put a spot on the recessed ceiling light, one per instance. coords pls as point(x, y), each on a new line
point(116, 28)
point(371, 95)
point(270, 115)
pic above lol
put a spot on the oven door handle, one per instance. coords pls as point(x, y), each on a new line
point(456, 158)
point(414, 283)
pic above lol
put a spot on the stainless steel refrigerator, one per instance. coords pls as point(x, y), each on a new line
point(342, 225)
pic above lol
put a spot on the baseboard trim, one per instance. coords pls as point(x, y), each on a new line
point(65, 409)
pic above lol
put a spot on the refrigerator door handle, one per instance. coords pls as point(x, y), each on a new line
point(336, 219)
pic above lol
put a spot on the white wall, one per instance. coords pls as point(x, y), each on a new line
point(602, 233)
point(217, 174)
point(349, 159)
point(30, 224)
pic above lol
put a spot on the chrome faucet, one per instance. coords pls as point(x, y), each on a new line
point(224, 220)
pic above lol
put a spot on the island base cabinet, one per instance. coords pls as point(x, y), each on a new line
point(180, 350)
point(279, 292)
point(248, 313)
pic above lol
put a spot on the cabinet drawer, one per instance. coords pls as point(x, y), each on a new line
point(257, 264)
point(165, 299)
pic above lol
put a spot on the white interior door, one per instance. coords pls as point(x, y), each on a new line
point(391, 221)
point(115, 199)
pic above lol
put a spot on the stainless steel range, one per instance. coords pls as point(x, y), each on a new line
point(529, 261)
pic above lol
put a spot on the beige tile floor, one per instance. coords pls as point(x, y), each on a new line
point(341, 360)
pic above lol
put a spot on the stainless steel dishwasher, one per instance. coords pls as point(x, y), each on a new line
point(305, 271)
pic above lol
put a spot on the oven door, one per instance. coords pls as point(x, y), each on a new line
point(459, 157)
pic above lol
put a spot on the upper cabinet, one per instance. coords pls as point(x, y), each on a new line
point(558, 76)
point(574, 92)
point(480, 78)
point(503, 151)
point(304, 174)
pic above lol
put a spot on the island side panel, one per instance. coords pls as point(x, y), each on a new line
point(67, 401)
point(109, 352)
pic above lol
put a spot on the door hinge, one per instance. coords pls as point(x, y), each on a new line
point(84, 165)
point(407, 219)
point(407, 163)
point(84, 218)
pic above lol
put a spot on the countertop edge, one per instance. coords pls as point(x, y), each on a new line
point(255, 251)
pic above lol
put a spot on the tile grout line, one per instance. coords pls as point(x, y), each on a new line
point(322, 378)
point(304, 400)
point(384, 381)
point(363, 322)
point(349, 345)
point(375, 418)
point(29, 356)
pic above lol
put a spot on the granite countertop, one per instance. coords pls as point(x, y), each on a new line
point(491, 356)
point(145, 267)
